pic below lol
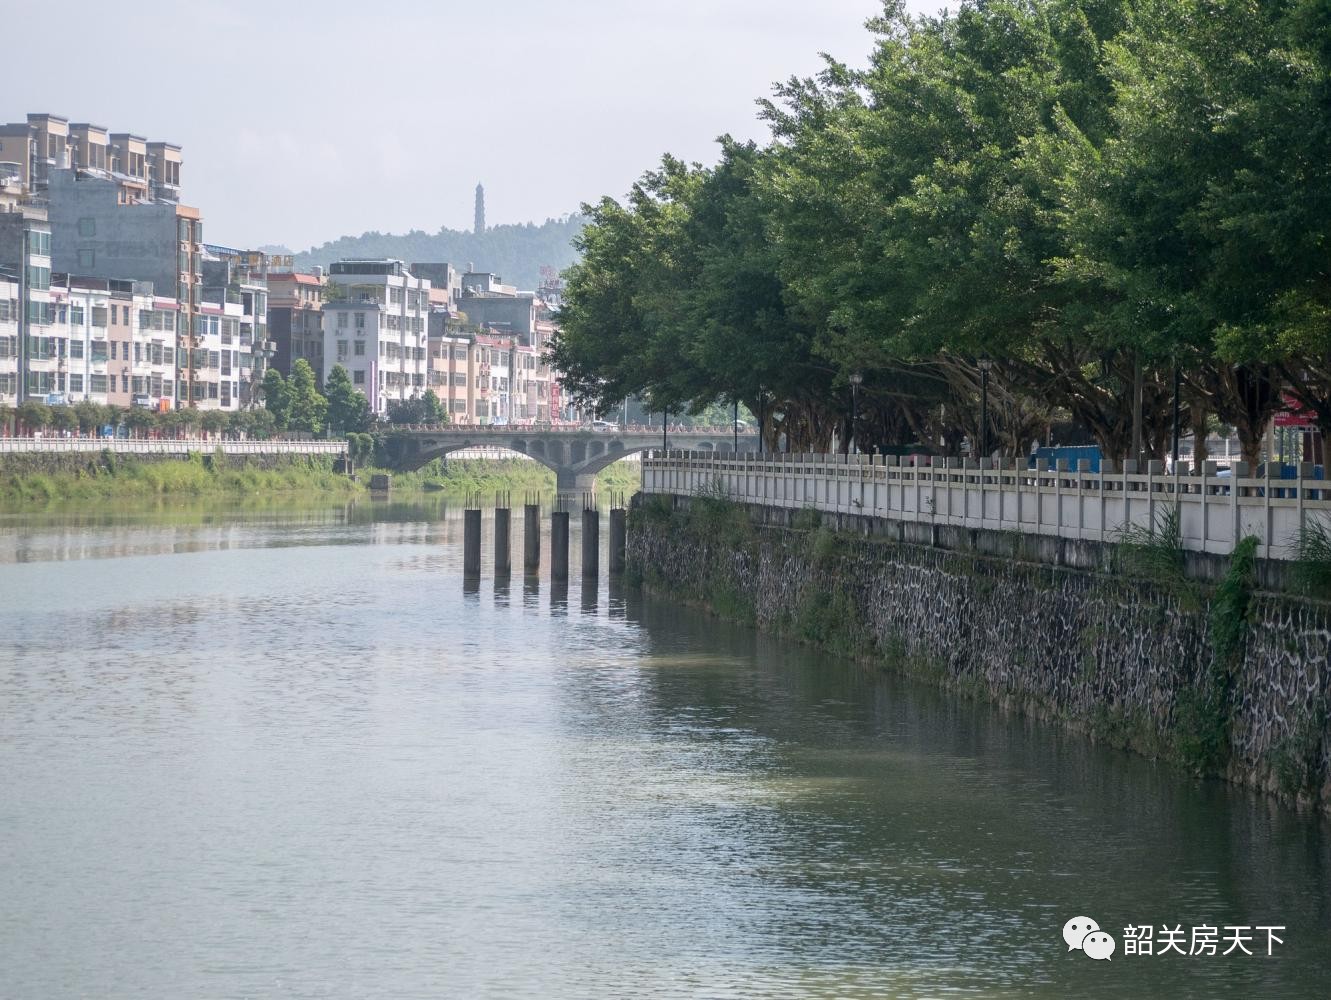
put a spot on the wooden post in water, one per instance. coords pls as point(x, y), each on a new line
point(559, 546)
point(618, 539)
point(531, 538)
point(503, 563)
point(471, 542)
point(591, 543)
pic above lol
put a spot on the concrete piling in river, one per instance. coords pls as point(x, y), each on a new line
point(618, 539)
point(559, 546)
point(503, 562)
point(471, 542)
point(591, 543)
point(531, 538)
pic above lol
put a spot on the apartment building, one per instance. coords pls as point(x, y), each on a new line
point(295, 320)
point(25, 253)
point(375, 324)
point(112, 203)
point(232, 328)
point(9, 336)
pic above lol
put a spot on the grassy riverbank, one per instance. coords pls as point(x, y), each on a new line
point(202, 476)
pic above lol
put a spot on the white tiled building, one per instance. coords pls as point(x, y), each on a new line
point(375, 326)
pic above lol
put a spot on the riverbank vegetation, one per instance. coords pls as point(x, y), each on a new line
point(1068, 200)
point(107, 476)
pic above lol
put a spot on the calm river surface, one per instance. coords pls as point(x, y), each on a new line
point(285, 752)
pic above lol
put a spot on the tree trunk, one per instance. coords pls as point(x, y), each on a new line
point(1197, 416)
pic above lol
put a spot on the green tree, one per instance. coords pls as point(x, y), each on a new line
point(34, 416)
point(432, 409)
point(348, 409)
point(276, 397)
point(63, 418)
point(91, 416)
point(139, 420)
point(214, 421)
point(307, 408)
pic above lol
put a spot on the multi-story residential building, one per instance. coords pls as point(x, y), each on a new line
point(375, 316)
point(295, 320)
point(25, 250)
point(445, 282)
point(112, 199)
point(454, 362)
point(113, 342)
point(9, 336)
point(236, 281)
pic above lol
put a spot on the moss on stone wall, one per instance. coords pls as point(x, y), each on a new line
point(1226, 681)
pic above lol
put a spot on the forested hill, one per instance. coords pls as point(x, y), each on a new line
point(516, 253)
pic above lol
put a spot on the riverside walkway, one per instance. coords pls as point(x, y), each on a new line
point(1215, 511)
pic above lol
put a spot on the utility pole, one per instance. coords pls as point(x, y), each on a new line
point(1177, 389)
point(1137, 406)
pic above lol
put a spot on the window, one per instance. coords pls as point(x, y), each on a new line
point(98, 351)
point(76, 315)
point(75, 383)
point(140, 383)
point(342, 320)
point(341, 350)
point(87, 227)
point(212, 390)
point(114, 345)
point(213, 359)
point(99, 316)
point(138, 352)
point(97, 383)
point(459, 378)
point(360, 321)
point(87, 259)
point(358, 377)
point(459, 406)
point(360, 348)
point(124, 383)
point(39, 278)
point(39, 244)
point(124, 315)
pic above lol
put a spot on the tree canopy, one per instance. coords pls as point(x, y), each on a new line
point(1076, 196)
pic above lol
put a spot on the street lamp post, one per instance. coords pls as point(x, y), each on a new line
point(856, 380)
point(1177, 386)
point(735, 424)
point(985, 366)
point(665, 415)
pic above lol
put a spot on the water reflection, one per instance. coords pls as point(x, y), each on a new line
point(297, 739)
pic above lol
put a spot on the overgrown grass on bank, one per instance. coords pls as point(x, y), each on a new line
point(487, 476)
point(110, 477)
point(201, 475)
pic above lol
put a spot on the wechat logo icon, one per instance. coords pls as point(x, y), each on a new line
point(1083, 934)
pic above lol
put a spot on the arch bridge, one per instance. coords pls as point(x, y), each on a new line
point(575, 456)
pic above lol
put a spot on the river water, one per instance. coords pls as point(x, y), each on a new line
point(285, 752)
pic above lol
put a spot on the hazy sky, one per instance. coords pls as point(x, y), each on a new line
point(302, 122)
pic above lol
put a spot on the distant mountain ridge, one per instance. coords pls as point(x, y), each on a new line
point(515, 252)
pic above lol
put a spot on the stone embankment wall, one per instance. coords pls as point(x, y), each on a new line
point(1214, 673)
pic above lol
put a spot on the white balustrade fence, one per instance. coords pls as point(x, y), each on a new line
point(1215, 510)
point(165, 446)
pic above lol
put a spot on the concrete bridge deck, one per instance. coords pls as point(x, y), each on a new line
point(574, 455)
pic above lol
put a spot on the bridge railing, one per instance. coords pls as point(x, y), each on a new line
point(167, 446)
point(1215, 509)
